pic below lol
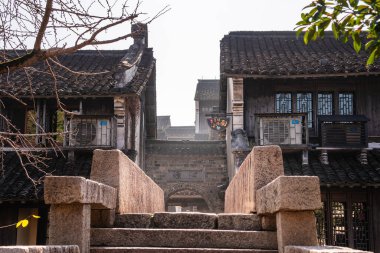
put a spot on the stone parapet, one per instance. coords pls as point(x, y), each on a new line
point(69, 190)
point(137, 193)
point(40, 249)
point(261, 166)
point(321, 249)
point(295, 193)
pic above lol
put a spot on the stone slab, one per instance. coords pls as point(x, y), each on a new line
point(172, 250)
point(296, 228)
point(289, 193)
point(70, 224)
point(40, 249)
point(134, 220)
point(137, 193)
point(68, 190)
point(268, 222)
point(185, 220)
point(321, 249)
point(230, 221)
point(262, 165)
point(102, 218)
point(183, 238)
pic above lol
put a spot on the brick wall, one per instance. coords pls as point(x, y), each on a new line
point(197, 166)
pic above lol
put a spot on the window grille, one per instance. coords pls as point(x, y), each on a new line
point(283, 103)
point(321, 225)
point(346, 104)
point(305, 104)
point(339, 224)
point(325, 104)
point(360, 226)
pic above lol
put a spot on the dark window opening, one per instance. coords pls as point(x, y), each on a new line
point(325, 104)
point(283, 103)
point(305, 104)
point(346, 104)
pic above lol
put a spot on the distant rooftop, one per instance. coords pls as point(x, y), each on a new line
point(207, 89)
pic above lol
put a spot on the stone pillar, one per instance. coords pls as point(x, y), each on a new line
point(237, 103)
point(292, 200)
point(71, 199)
point(69, 224)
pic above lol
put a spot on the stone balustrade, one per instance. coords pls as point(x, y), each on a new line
point(40, 249)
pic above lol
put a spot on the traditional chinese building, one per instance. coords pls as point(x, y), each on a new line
point(319, 102)
point(110, 102)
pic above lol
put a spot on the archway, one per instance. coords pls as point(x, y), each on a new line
point(186, 201)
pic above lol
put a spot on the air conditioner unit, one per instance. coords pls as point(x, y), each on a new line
point(285, 130)
point(90, 132)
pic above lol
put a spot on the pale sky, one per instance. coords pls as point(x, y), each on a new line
point(186, 42)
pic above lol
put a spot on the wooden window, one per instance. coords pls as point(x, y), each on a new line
point(325, 103)
point(283, 103)
point(305, 104)
point(339, 224)
point(346, 103)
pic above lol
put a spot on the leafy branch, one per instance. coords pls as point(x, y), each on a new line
point(347, 19)
point(23, 222)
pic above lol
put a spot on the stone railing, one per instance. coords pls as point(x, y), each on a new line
point(117, 185)
point(285, 204)
point(40, 249)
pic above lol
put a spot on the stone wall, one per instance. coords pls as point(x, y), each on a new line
point(198, 166)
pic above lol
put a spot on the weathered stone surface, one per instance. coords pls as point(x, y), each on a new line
point(134, 220)
point(40, 249)
point(228, 221)
point(261, 166)
point(137, 193)
point(172, 250)
point(296, 228)
point(102, 218)
point(67, 190)
point(183, 238)
point(185, 220)
point(70, 225)
point(295, 193)
point(268, 222)
point(320, 249)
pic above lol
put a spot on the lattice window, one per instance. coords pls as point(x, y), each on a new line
point(325, 104)
point(283, 103)
point(360, 225)
point(346, 103)
point(305, 104)
point(320, 216)
point(339, 224)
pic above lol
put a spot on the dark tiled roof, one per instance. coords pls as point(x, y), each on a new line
point(90, 61)
point(281, 54)
point(344, 168)
point(14, 184)
point(207, 89)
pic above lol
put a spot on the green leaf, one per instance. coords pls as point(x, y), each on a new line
point(309, 5)
point(356, 41)
point(369, 44)
point(335, 30)
point(373, 56)
point(299, 31)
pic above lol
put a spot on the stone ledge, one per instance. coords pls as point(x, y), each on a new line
point(40, 249)
point(68, 190)
point(320, 249)
point(294, 193)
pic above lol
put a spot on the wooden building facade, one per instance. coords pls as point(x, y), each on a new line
point(109, 101)
point(319, 102)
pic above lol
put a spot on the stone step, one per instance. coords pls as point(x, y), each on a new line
point(172, 250)
point(188, 220)
point(183, 238)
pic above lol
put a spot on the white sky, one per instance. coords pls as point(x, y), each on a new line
point(186, 42)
